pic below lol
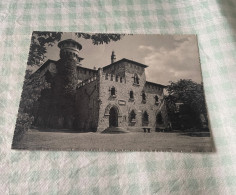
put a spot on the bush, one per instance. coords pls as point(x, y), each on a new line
point(23, 123)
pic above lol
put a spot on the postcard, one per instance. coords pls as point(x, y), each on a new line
point(113, 92)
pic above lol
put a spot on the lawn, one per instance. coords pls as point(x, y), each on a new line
point(69, 140)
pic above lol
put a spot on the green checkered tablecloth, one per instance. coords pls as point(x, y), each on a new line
point(42, 172)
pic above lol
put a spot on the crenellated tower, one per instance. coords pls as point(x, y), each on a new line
point(66, 82)
point(69, 49)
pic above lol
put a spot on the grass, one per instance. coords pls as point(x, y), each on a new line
point(135, 141)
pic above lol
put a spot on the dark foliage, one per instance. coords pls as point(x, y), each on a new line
point(100, 38)
point(32, 89)
point(190, 95)
point(40, 40)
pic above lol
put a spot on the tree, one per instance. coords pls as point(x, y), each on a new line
point(189, 93)
point(32, 89)
point(40, 40)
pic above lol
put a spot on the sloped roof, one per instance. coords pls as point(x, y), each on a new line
point(89, 69)
point(126, 60)
point(43, 66)
point(156, 84)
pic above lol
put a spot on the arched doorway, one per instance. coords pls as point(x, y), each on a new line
point(113, 117)
point(159, 119)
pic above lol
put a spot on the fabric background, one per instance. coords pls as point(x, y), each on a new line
point(44, 172)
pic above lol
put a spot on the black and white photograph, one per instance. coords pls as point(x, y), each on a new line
point(113, 92)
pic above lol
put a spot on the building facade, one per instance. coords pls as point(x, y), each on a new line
point(117, 95)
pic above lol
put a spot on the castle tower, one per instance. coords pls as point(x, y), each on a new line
point(66, 82)
point(69, 49)
point(113, 57)
point(69, 59)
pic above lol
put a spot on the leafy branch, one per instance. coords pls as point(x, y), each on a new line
point(41, 40)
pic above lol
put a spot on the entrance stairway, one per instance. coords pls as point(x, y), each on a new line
point(115, 130)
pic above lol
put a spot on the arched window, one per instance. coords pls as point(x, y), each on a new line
point(143, 97)
point(136, 79)
point(145, 119)
point(131, 94)
point(156, 99)
point(132, 118)
point(113, 91)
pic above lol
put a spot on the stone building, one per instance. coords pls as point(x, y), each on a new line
point(117, 95)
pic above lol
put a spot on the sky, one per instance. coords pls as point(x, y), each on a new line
point(168, 57)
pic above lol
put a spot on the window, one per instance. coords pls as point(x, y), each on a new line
point(121, 79)
point(116, 78)
point(178, 107)
point(145, 119)
point(106, 77)
point(156, 99)
point(111, 77)
point(113, 91)
point(136, 79)
point(131, 95)
point(159, 119)
point(143, 97)
point(132, 118)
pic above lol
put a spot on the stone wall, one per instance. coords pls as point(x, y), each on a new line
point(115, 69)
point(87, 105)
point(85, 73)
point(153, 89)
point(107, 101)
point(122, 101)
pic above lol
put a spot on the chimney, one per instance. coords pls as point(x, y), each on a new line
point(113, 57)
point(100, 71)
